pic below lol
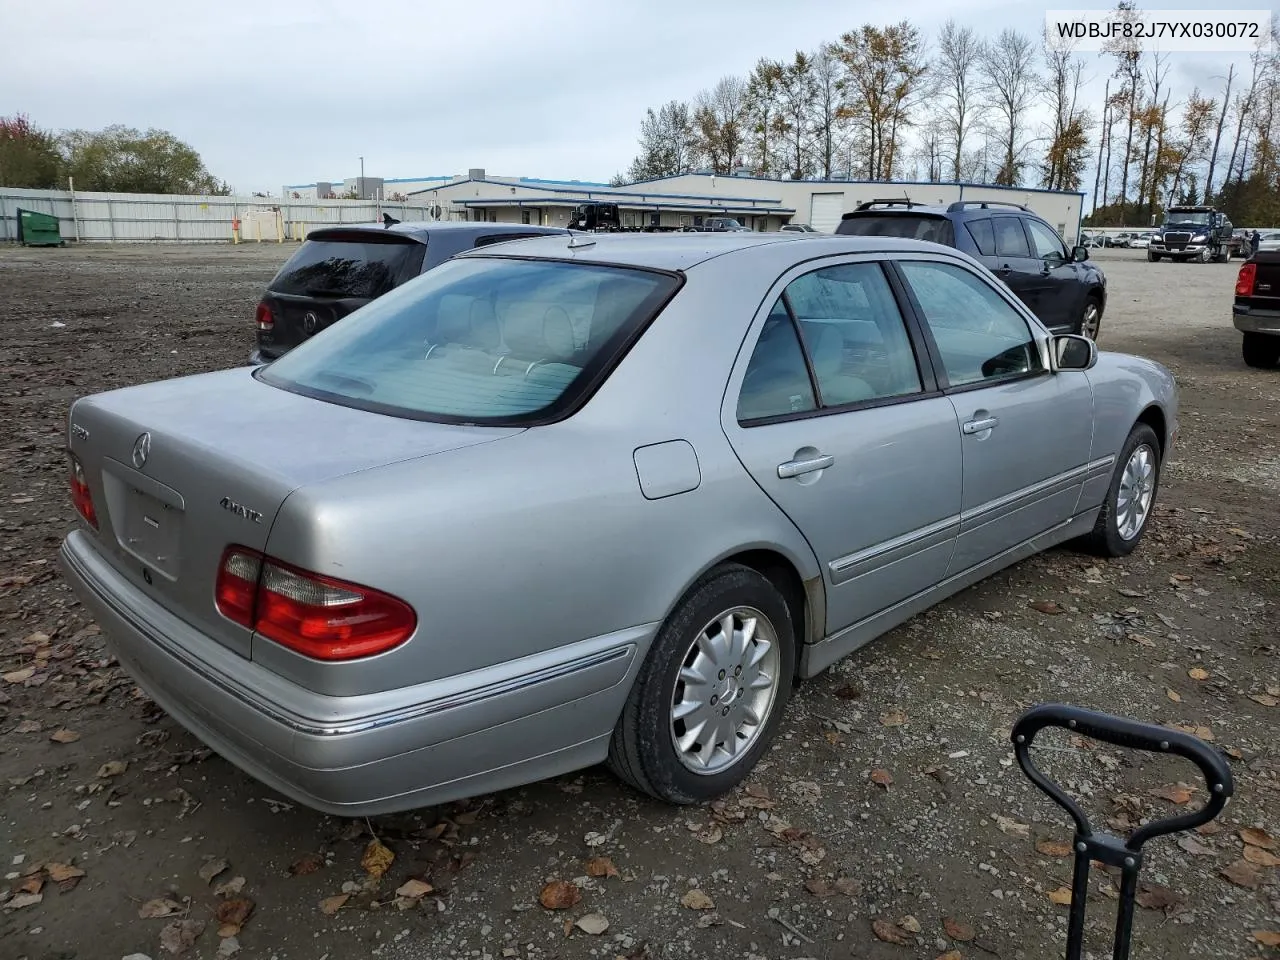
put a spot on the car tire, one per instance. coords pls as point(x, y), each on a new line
point(1153, 257)
point(1204, 256)
point(1137, 476)
point(644, 750)
point(1090, 324)
point(1261, 350)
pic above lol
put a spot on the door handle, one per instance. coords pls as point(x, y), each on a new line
point(977, 426)
point(798, 468)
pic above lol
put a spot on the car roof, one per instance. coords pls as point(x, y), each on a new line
point(682, 251)
point(422, 229)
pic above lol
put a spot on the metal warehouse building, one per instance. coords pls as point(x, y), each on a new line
point(759, 203)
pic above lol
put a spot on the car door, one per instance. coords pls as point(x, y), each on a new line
point(1014, 263)
point(1025, 431)
point(834, 411)
point(1060, 293)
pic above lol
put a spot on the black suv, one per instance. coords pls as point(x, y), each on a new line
point(1065, 292)
point(340, 269)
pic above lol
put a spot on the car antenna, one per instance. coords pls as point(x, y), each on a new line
point(581, 240)
point(388, 220)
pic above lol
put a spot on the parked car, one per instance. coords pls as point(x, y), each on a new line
point(1269, 241)
point(567, 500)
point(337, 270)
point(1256, 311)
point(1063, 289)
point(1140, 241)
point(797, 228)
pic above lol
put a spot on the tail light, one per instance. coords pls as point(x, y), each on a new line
point(81, 496)
point(315, 615)
point(1244, 282)
point(265, 318)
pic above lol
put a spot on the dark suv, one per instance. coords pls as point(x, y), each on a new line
point(339, 269)
point(1066, 293)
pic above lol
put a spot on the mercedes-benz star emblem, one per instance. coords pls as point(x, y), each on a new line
point(309, 322)
point(141, 450)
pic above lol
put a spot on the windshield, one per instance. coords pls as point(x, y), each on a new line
point(907, 226)
point(348, 268)
point(1189, 217)
point(478, 340)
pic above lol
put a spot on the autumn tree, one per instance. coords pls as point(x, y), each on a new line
point(829, 117)
point(720, 122)
point(1009, 83)
point(1070, 124)
point(28, 155)
point(956, 79)
point(884, 73)
point(1194, 138)
point(762, 115)
point(1129, 60)
point(797, 96)
point(667, 143)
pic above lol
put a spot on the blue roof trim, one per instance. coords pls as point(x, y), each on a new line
point(868, 183)
point(656, 202)
point(596, 193)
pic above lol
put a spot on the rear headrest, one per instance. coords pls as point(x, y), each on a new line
point(484, 325)
point(453, 319)
point(522, 331)
point(557, 334)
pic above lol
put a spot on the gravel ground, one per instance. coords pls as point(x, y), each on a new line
point(889, 810)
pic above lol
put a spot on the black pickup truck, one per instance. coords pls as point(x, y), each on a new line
point(1256, 311)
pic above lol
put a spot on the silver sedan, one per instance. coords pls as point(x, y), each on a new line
point(583, 499)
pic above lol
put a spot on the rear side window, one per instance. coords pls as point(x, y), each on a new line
point(479, 340)
point(1010, 240)
point(906, 226)
point(348, 268)
point(983, 236)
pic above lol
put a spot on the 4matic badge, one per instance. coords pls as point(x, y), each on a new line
point(240, 510)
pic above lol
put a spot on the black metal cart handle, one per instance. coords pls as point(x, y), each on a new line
point(1123, 732)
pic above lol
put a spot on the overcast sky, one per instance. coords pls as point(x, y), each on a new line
point(292, 91)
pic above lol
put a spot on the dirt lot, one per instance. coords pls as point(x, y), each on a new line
point(951, 851)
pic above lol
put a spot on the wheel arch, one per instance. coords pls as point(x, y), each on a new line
point(1154, 417)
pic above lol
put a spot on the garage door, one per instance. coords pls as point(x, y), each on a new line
point(825, 210)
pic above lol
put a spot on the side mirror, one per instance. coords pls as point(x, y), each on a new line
point(1080, 253)
point(1074, 352)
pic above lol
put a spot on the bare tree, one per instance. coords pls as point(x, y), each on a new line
point(720, 120)
point(763, 88)
point(829, 121)
point(956, 71)
point(1154, 122)
point(1069, 127)
point(883, 77)
point(1128, 56)
point(667, 143)
point(1217, 135)
point(1103, 139)
point(798, 95)
point(1009, 82)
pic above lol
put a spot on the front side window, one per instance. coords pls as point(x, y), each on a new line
point(478, 340)
point(980, 336)
point(1048, 245)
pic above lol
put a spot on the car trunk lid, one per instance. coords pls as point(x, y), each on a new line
point(181, 469)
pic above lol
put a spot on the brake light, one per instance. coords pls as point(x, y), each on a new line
point(318, 616)
point(265, 318)
point(81, 496)
point(1244, 282)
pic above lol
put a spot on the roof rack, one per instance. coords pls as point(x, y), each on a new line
point(984, 204)
point(892, 202)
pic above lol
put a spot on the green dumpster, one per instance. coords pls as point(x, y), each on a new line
point(38, 229)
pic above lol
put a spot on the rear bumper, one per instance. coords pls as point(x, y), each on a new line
point(1254, 320)
point(458, 737)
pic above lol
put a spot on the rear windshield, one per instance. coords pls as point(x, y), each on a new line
point(348, 268)
point(479, 340)
point(908, 226)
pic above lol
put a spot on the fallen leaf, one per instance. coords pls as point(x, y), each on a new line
point(1198, 673)
point(212, 868)
point(601, 867)
point(1262, 858)
point(21, 900)
point(1046, 606)
point(819, 887)
point(1243, 874)
point(711, 834)
point(64, 736)
point(559, 895)
point(850, 692)
point(951, 955)
point(1173, 695)
point(28, 726)
point(160, 907)
point(958, 929)
point(893, 718)
point(181, 935)
point(33, 884)
point(890, 933)
point(848, 887)
point(308, 863)
point(1257, 838)
point(377, 858)
point(414, 889)
point(1061, 896)
point(229, 947)
point(331, 905)
point(230, 888)
point(909, 924)
point(1209, 829)
point(1194, 847)
point(593, 923)
point(882, 778)
point(1152, 896)
point(112, 768)
point(63, 872)
point(697, 900)
point(1265, 699)
point(20, 676)
point(1178, 793)
point(1268, 938)
point(1012, 828)
point(1053, 848)
point(232, 914)
point(1273, 689)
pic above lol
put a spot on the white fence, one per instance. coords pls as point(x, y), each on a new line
point(144, 217)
